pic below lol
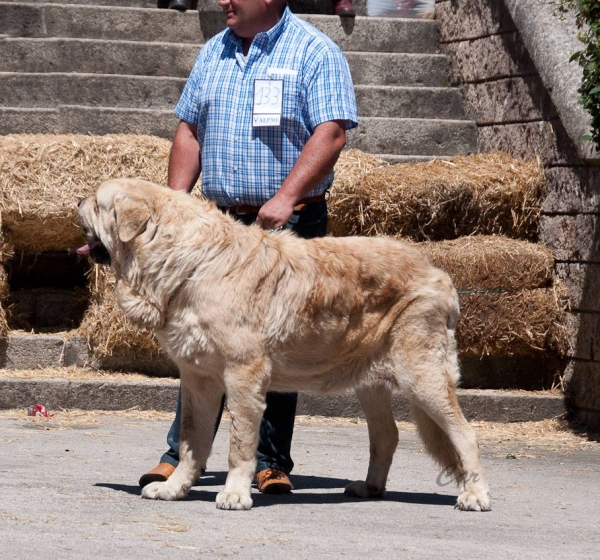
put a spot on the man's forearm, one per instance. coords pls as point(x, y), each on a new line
point(184, 160)
point(315, 162)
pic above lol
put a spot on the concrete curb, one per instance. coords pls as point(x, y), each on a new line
point(491, 406)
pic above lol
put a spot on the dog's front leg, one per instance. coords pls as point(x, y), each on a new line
point(200, 401)
point(246, 393)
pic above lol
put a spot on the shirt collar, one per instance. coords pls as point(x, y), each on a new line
point(266, 38)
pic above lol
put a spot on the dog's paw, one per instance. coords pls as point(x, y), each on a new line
point(360, 489)
point(231, 500)
point(162, 491)
point(474, 501)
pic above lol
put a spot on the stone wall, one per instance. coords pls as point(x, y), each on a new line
point(514, 102)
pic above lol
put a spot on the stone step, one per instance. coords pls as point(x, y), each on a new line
point(362, 34)
point(376, 135)
point(100, 22)
point(115, 3)
point(297, 6)
point(423, 137)
point(143, 92)
point(104, 394)
point(35, 55)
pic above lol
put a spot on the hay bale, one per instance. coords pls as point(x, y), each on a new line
point(491, 193)
point(106, 328)
point(524, 323)
point(42, 177)
point(344, 197)
point(495, 262)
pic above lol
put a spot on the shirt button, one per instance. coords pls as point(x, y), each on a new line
point(235, 167)
point(237, 199)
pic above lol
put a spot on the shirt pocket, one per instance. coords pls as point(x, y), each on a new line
point(293, 94)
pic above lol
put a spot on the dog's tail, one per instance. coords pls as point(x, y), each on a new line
point(438, 444)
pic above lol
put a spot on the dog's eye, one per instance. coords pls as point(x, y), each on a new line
point(95, 205)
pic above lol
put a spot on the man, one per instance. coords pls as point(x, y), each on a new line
point(264, 116)
point(340, 7)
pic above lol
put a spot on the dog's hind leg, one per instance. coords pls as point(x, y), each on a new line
point(424, 344)
point(200, 402)
point(447, 435)
point(376, 402)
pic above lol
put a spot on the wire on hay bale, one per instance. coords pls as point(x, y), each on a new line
point(489, 193)
point(492, 262)
point(106, 328)
point(43, 177)
point(524, 323)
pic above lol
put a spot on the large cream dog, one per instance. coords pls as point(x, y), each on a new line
point(243, 311)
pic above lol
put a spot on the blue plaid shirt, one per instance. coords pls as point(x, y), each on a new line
point(242, 164)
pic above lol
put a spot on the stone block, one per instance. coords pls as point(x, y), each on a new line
point(162, 366)
point(461, 20)
point(409, 102)
point(584, 332)
point(489, 58)
point(582, 392)
point(20, 20)
point(88, 394)
point(96, 57)
point(31, 351)
point(77, 353)
point(571, 237)
point(106, 23)
point(414, 136)
point(101, 395)
point(399, 69)
point(141, 92)
point(508, 100)
point(545, 140)
point(572, 190)
point(582, 281)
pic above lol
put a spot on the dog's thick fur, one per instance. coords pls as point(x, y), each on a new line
point(242, 311)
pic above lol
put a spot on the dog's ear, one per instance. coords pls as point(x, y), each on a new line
point(132, 215)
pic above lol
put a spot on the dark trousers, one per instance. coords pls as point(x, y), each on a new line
point(277, 426)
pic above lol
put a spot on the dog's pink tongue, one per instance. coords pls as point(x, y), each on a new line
point(87, 247)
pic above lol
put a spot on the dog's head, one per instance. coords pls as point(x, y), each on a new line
point(119, 212)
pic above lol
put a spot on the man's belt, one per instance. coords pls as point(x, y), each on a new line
point(241, 209)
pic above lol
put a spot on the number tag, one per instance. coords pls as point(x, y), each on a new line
point(268, 102)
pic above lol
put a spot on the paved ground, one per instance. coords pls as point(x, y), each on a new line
point(70, 491)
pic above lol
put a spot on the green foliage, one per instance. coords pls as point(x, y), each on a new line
point(587, 17)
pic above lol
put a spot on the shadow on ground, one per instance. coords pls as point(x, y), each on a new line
point(300, 483)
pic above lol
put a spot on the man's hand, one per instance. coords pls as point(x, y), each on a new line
point(276, 212)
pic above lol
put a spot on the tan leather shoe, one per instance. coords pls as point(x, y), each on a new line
point(160, 473)
point(273, 481)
